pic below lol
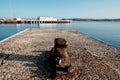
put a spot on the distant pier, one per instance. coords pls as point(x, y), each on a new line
point(33, 20)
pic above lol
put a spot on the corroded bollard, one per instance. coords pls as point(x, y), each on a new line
point(61, 61)
point(60, 54)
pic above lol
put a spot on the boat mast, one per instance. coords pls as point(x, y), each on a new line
point(11, 9)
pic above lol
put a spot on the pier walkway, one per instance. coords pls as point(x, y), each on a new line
point(26, 57)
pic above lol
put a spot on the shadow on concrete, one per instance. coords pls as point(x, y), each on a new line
point(45, 67)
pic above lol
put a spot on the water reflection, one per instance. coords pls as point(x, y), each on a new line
point(47, 24)
point(17, 25)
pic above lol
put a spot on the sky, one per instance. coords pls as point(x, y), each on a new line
point(60, 8)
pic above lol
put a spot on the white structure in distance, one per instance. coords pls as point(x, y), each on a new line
point(44, 18)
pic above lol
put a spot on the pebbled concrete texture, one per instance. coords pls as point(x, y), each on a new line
point(27, 57)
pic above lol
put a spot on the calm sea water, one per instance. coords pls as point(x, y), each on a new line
point(108, 32)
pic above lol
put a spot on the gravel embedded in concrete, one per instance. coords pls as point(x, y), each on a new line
point(26, 56)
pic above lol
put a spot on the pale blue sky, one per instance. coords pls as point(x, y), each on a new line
point(60, 8)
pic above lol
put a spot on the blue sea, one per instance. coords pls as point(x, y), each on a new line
point(108, 32)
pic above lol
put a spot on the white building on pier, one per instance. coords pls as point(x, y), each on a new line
point(45, 18)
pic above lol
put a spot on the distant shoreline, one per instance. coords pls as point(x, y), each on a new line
point(64, 20)
point(80, 19)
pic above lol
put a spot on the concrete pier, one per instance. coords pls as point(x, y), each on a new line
point(30, 21)
point(27, 56)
